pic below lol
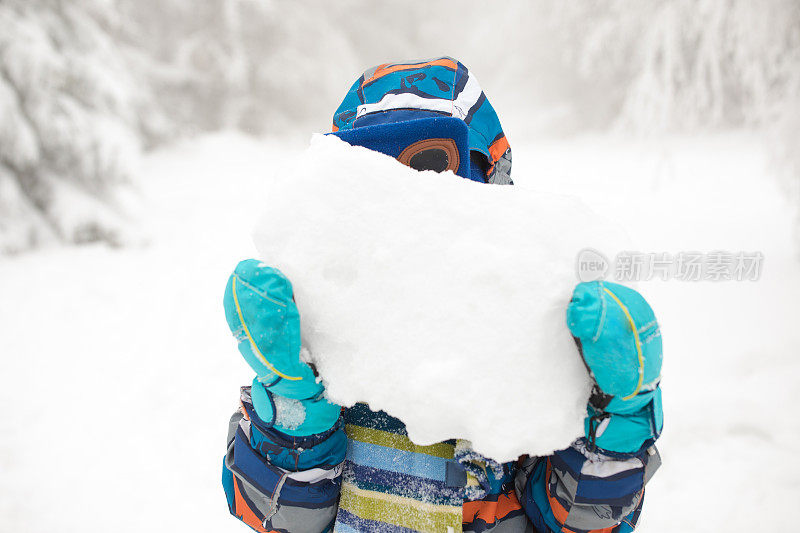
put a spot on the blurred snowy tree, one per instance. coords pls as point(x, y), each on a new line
point(85, 84)
point(690, 64)
point(70, 128)
point(262, 66)
point(695, 66)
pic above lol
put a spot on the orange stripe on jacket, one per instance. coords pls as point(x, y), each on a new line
point(498, 148)
point(385, 69)
point(244, 512)
point(490, 512)
point(559, 512)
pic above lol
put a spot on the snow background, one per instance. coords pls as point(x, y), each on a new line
point(118, 371)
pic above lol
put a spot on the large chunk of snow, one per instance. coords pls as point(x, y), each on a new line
point(437, 299)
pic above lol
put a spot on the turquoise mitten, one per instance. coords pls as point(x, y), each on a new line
point(620, 342)
point(262, 315)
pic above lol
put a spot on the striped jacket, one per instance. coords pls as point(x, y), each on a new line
point(364, 474)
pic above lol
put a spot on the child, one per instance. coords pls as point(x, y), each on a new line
point(297, 463)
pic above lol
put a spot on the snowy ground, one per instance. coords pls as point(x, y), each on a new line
point(119, 373)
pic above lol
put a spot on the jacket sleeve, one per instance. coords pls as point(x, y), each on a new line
point(582, 491)
point(277, 483)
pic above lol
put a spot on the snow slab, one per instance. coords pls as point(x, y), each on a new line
point(439, 300)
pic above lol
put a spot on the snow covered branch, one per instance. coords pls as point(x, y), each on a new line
point(69, 135)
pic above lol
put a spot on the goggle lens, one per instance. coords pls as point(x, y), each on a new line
point(438, 155)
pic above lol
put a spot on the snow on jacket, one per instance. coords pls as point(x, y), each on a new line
point(364, 474)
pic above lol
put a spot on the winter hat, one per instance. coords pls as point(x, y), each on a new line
point(620, 343)
point(424, 95)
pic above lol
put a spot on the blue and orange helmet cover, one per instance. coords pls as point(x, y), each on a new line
point(400, 108)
